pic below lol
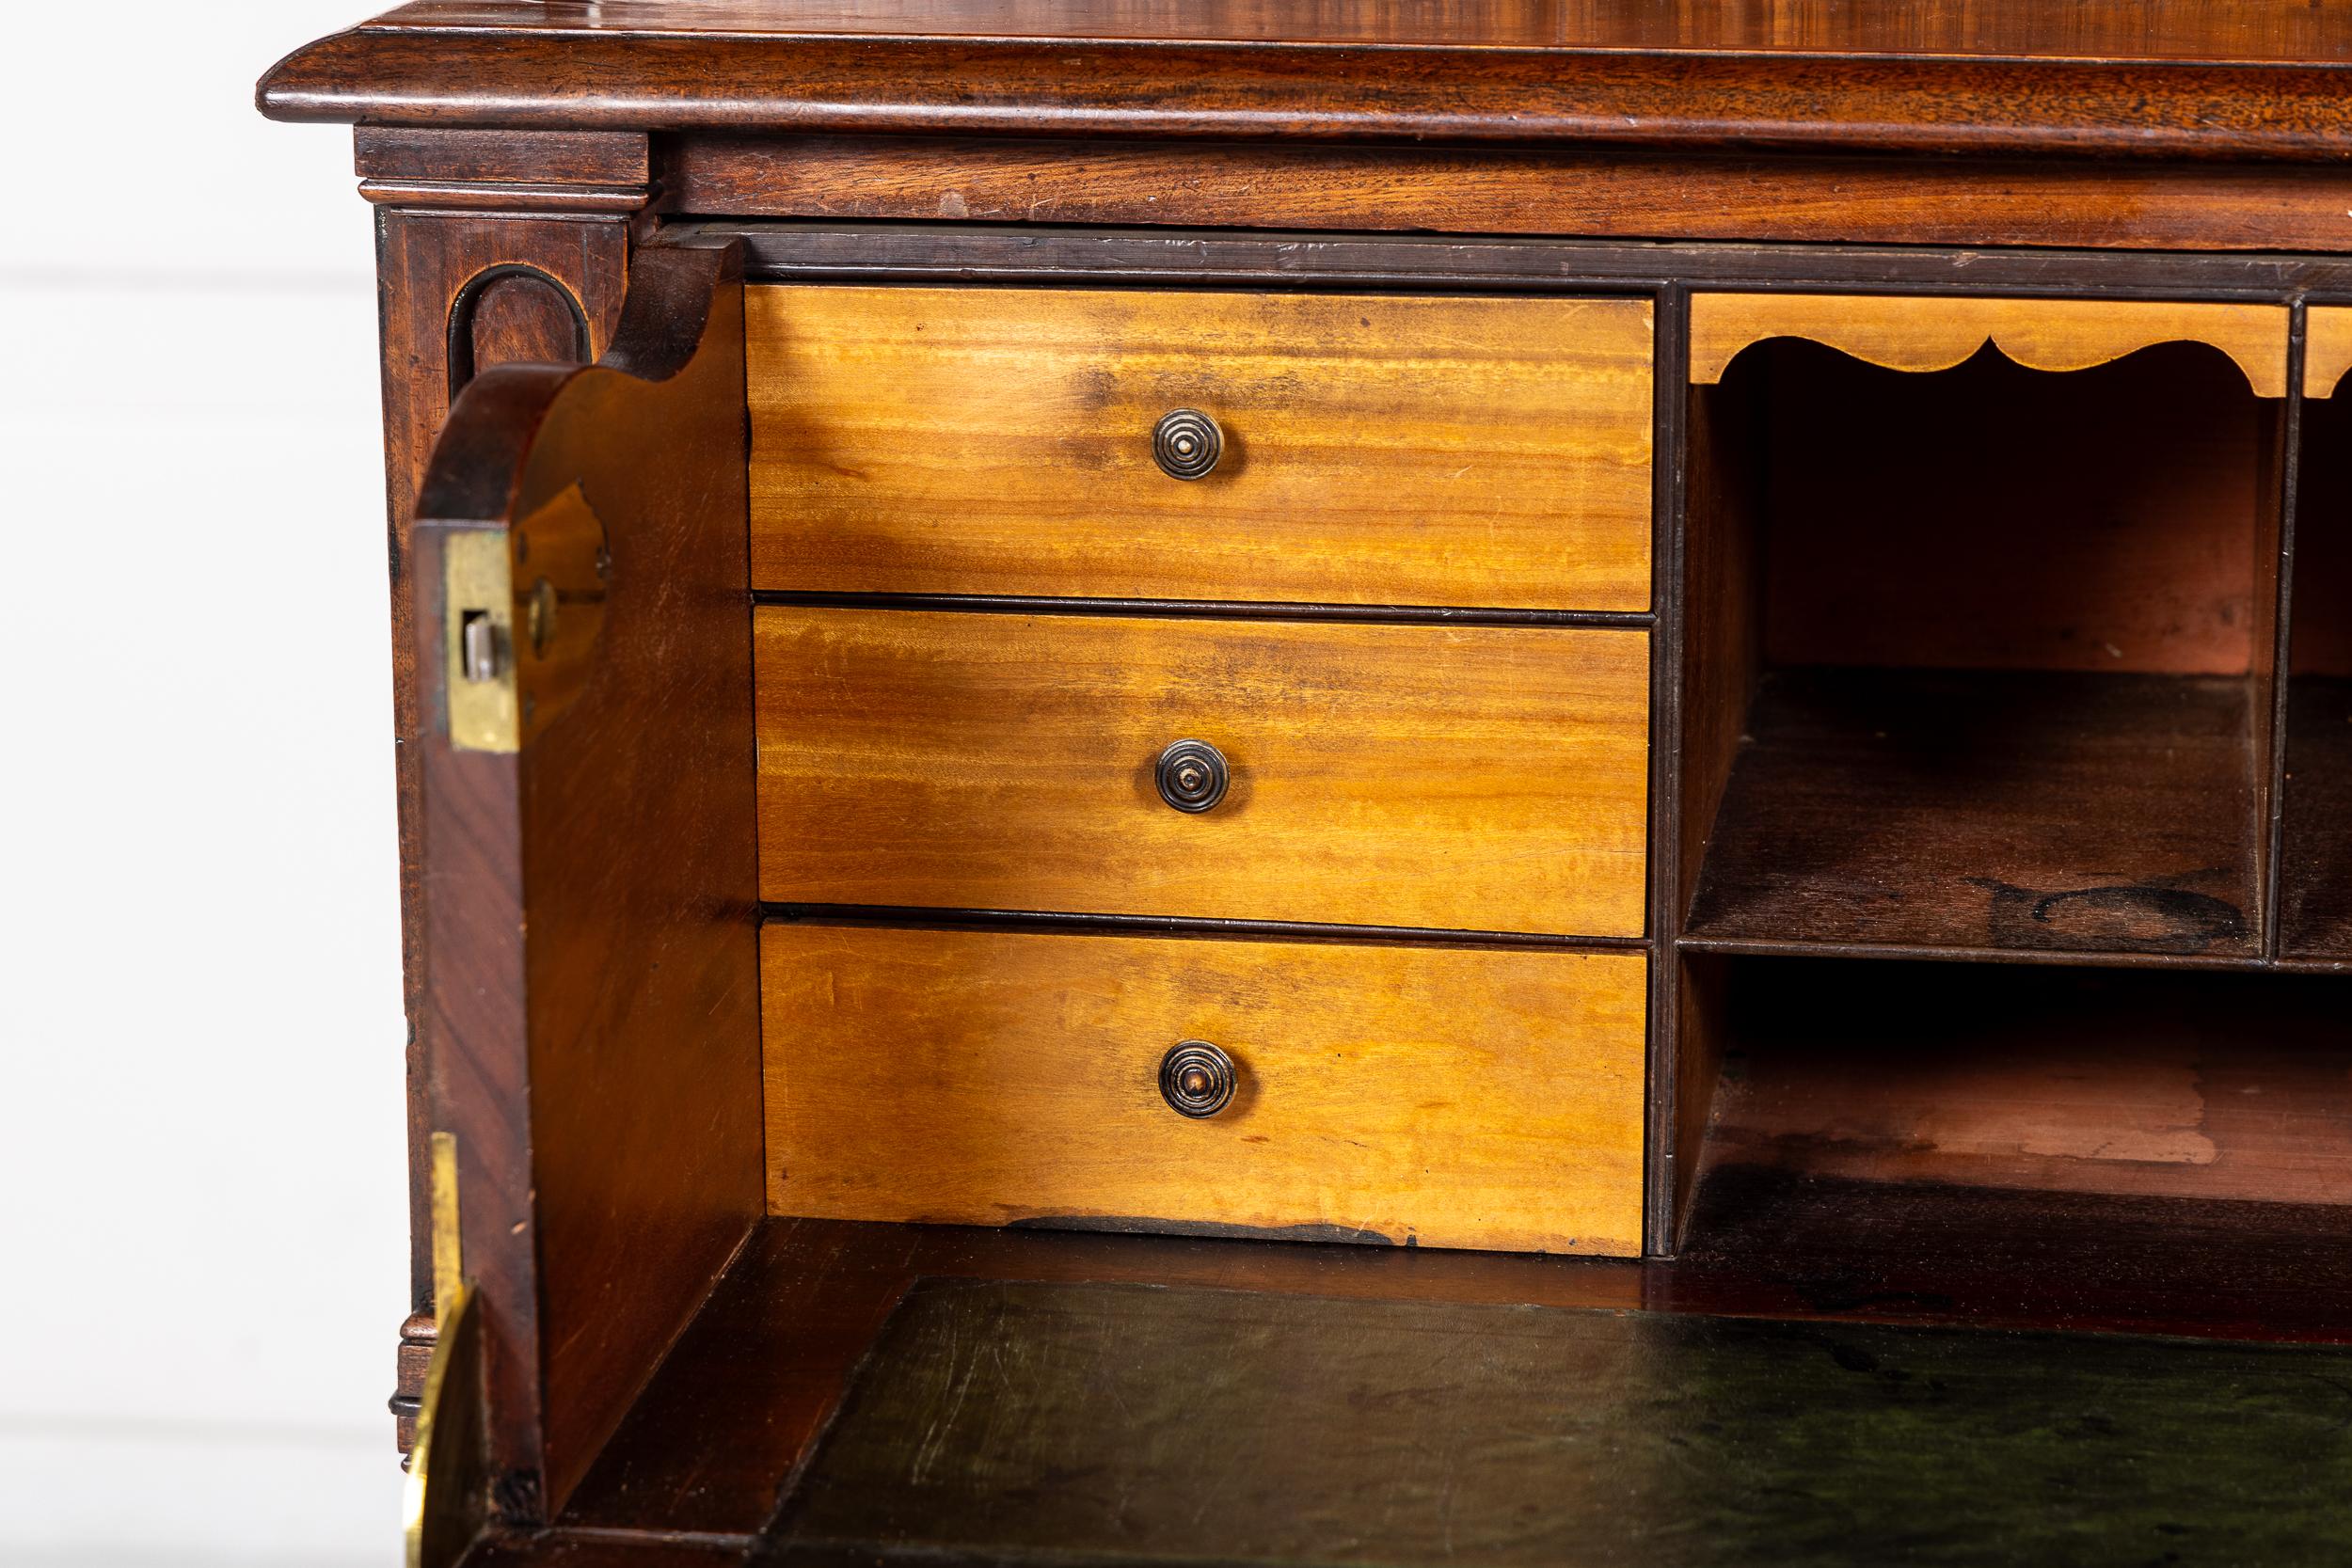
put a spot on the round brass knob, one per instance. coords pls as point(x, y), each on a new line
point(1192, 775)
point(1197, 1079)
point(1186, 444)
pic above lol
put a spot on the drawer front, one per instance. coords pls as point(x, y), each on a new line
point(1374, 450)
point(1439, 1097)
point(1474, 777)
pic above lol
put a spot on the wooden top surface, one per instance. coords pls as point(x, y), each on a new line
point(2106, 76)
point(2224, 32)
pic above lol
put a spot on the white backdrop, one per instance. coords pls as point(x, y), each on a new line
point(202, 1239)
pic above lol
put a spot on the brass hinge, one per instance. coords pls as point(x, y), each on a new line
point(522, 610)
point(449, 1240)
point(447, 1490)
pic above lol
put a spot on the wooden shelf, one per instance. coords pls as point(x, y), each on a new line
point(1989, 813)
point(2315, 873)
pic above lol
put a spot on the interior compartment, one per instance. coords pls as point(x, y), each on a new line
point(2002, 638)
point(2121, 1083)
point(2315, 866)
point(2121, 1148)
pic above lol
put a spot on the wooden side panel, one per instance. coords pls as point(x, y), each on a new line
point(1701, 1038)
point(1721, 610)
point(1379, 449)
point(1722, 605)
point(592, 980)
point(425, 262)
point(1437, 1096)
point(2322, 608)
point(2315, 915)
point(1922, 333)
point(2316, 868)
point(1462, 777)
point(2268, 658)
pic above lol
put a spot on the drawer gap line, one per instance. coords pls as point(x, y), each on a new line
point(1190, 927)
point(1231, 609)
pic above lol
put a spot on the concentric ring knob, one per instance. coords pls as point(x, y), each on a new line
point(1197, 1079)
point(1186, 443)
point(1192, 775)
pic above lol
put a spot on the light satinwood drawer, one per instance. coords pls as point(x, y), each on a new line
point(1465, 778)
point(1443, 1097)
point(1378, 449)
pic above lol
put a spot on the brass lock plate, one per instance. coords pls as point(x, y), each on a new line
point(522, 609)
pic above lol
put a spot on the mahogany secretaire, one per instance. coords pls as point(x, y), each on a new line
point(1455, 782)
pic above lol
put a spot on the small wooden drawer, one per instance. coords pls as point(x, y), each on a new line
point(1443, 1097)
point(1466, 778)
point(1372, 449)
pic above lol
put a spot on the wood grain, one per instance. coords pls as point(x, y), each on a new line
point(1242, 259)
point(1379, 450)
point(2326, 348)
point(2233, 31)
point(514, 315)
point(1720, 613)
point(1698, 1048)
point(1917, 200)
point(1462, 777)
point(588, 159)
point(1720, 600)
point(2203, 1086)
point(1990, 812)
point(1991, 517)
point(2322, 589)
point(2315, 872)
point(1329, 83)
point(2270, 655)
point(1436, 1097)
point(1913, 333)
point(424, 264)
point(592, 979)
